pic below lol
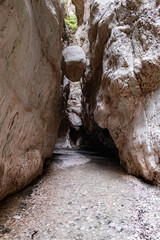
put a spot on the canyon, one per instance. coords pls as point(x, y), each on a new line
point(80, 119)
point(117, 90)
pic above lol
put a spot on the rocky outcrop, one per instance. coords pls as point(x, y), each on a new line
point(121, 92)
point(30, 88)
point(74, 64)
point(70, 134)
point(74, 105)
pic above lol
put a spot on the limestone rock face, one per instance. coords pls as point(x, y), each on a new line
point(79, 4)
point(74, 105)
point(122, 92)
point(30, 89)
point(83, 15)
point(74, 62)
point(69, 134)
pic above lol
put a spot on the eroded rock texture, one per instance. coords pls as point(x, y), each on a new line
point(74, 64)
point(122, 92)
point(30, 91)
point(83, 15)
point(79, 4)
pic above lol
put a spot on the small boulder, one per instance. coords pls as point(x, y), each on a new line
point(74, 62)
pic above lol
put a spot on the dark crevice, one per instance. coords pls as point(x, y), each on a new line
point(89, 136)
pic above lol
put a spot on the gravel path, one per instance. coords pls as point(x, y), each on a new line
point(82, 196)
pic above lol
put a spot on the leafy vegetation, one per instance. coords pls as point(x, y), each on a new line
point(71, 21)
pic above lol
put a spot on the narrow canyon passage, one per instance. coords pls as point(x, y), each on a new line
point(82, 195)
point(74, 75)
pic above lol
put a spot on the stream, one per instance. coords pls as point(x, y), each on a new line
point(82, 195)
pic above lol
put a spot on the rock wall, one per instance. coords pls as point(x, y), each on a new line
point(30, 88)
point(79, 5)
point(122, 90)
point(80, 133)
point(73, 67)
point(83, 15)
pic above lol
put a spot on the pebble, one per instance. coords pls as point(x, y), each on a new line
point(112, 225)
point(17, 217)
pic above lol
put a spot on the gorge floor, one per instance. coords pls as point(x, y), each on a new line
point(82, 196)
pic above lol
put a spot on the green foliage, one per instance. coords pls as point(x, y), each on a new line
point(71, 21)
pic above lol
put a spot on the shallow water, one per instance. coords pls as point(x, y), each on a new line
point(82, 196)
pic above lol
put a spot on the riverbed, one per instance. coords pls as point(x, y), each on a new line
point(82, 195)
